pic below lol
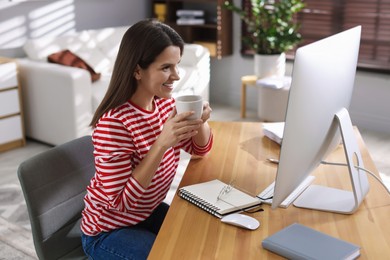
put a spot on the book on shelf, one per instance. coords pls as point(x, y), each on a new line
point(300, 242)
point(190, 17)
point(189, 13)
point(208, 196)
point(190, 21)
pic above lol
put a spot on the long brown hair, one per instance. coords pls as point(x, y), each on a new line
point(140, 45)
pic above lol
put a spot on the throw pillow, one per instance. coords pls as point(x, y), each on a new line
point(68, 58)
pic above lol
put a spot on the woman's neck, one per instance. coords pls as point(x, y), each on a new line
point(142, 102)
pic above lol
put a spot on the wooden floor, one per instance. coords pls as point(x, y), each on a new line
point(15, 235)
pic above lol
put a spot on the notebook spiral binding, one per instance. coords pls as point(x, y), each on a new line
point(200, 202)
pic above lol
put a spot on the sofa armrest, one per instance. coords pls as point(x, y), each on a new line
point(194, 72)
point(56, 101)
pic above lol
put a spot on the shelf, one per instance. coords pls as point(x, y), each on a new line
point(11, 116)
point(215, 34)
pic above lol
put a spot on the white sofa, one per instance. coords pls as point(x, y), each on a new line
point(59, 101)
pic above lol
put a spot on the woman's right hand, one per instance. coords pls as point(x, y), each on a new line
point(178, 128)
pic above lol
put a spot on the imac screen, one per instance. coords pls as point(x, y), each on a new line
point(322, 84)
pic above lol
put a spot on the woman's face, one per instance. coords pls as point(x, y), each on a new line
point(157, 79)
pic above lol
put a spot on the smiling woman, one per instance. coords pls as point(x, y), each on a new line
point(137, 140)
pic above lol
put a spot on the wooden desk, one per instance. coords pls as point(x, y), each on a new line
point(240, 153)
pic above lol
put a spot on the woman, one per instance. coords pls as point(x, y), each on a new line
point(137, 140)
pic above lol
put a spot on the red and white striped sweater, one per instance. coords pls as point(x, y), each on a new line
point(121, 139)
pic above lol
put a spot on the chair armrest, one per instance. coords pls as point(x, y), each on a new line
point(56, 101)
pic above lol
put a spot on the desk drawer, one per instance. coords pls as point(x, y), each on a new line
point(10, 129)
point(8, 76)
point(9, 102)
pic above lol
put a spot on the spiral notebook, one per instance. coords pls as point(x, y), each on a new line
point(205, 196)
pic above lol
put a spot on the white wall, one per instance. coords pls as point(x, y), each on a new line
point(370, 105)
point(20, 20)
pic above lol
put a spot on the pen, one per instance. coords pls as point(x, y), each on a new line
point(276, 161)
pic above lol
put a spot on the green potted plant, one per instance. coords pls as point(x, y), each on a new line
point(271, 31)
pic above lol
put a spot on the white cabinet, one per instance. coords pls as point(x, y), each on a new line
point(11, 116)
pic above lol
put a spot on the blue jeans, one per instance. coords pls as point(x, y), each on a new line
point(134, 242)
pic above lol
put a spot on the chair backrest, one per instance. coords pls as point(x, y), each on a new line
point(54, 184)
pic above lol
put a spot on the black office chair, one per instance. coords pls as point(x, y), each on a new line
point(54, 184)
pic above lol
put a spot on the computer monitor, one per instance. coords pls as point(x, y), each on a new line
point(317, 120)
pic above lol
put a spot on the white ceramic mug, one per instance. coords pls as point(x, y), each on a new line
point(190, 103)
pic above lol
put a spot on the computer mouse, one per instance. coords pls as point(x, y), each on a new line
point(241, 220)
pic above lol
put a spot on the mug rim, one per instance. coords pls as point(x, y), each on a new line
point(185, 98)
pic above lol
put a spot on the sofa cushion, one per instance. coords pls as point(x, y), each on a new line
point(68, 58)
point(95, 59)
point(81, 44)
point(38, 49)
point(108, 40)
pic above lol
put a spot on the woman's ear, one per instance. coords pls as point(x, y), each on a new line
point(137, 73)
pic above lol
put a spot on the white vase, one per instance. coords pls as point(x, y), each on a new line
point(270, 65)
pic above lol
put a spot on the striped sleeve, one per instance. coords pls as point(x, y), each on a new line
point(192, 148)
point(203, 150)
point(114, 152)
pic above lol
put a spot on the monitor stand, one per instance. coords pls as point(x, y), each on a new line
point(336, 200)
